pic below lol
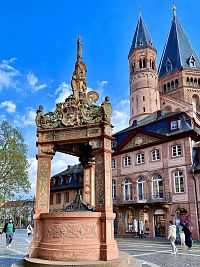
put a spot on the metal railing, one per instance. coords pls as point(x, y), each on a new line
point(159, 197)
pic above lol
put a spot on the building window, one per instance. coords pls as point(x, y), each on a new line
point(176, 151)
point(127, 161)
point(113, 164)
point(165, 88)
point(58, 198)
point(178, 182)
point(143, 109)
point(140, 158)
point(140, 188)
point(157, 187)
point(113, 143)
point(155, 155)
point(143, 98)
point(66, 196)
point(174, 125)
point(51, 199)
point(176, 83)
point(113, 189)
point(127, 190)
point(168, 66)
point(192, 61)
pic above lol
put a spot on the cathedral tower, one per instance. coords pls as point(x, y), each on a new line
point(144, 96)
point(179, 71)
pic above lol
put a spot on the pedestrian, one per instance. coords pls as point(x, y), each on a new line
point(172, 236)
point(29, 229)
point(182, 235)
point(188, 235)
point(9, 229)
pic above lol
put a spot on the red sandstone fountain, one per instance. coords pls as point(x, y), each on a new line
point(80, 235)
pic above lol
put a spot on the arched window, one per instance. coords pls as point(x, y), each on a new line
point(127, 190)
point(195, 82)
point(192, 62)
point(198, 82)
point(113, 189)
point(168, 87)
point(140, 188)
point(144, 63)
point(165, 88)
point(140, 63)
point(191, 81)
point(188, 81)
point(157, 186)
point(153, 65)
point(172, 85)
point(176, 83)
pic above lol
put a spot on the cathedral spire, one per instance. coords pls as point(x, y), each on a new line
point(141, 37)
point(178, 52)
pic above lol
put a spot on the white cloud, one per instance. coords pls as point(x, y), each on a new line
point(9, 105)
point(62, 92)
point(25, 120)
point(120, 116)
point(34, 83)
point(8, 74)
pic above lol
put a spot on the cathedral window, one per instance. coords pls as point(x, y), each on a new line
point(176, 83)
point(165, 88)
point(195, 81)
point(198, 82)
point(172, 85)
point(168, 65)
point(192, 61)
point(191, 81)
point(144, 63)
point(143, 98)
point(143, 109)
point(168, 87)
point(178, 182)
point(140, 63)
point(188, 81)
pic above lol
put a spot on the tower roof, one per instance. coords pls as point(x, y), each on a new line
point(141, 37)
point(178, 52)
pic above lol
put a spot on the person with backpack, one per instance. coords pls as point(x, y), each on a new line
point(29, 229)
point(9, 230)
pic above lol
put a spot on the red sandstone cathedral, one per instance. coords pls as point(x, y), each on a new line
point(156, 160)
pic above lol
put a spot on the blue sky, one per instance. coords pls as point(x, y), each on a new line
point(38, 52)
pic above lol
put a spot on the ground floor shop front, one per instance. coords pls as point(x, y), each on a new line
point(152, 220)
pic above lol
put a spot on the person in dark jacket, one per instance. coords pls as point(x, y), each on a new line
point(9, 229)
point(188, 235)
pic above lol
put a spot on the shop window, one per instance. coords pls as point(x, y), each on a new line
point(131, 225)
point(155, 155)
point(127, 190)
point(178, 182)
point(157, 187)
point(140, 158)
point(51, 199)
point(113, 189)
point(127, 161)
point(176, 151)
point(113, 164)
point(58, 198)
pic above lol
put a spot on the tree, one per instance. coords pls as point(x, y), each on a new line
point(13, 162)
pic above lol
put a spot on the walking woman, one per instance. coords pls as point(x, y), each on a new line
point(188, 235)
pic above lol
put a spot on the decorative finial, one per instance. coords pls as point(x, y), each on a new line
point(79, 48)
point(140, 11)
point(174, 8)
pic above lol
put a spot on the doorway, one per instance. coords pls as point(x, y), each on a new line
point(159, 223)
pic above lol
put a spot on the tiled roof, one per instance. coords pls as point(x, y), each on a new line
point(70, 169)
point(178, 51)
point(141, 37)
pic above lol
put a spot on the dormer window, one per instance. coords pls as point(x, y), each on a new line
point(141, 42)
point(192, 61)
point(168, 65)
point(175, 125)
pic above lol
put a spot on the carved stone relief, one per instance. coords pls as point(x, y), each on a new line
point(100, 180)
point(70, 230)
point(43, 182)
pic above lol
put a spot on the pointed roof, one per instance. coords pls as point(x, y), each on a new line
point(141, 37)
point(178, 52)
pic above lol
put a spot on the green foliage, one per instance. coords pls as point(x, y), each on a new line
point(13, 162)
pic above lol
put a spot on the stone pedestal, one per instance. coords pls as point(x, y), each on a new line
point(73, 236)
